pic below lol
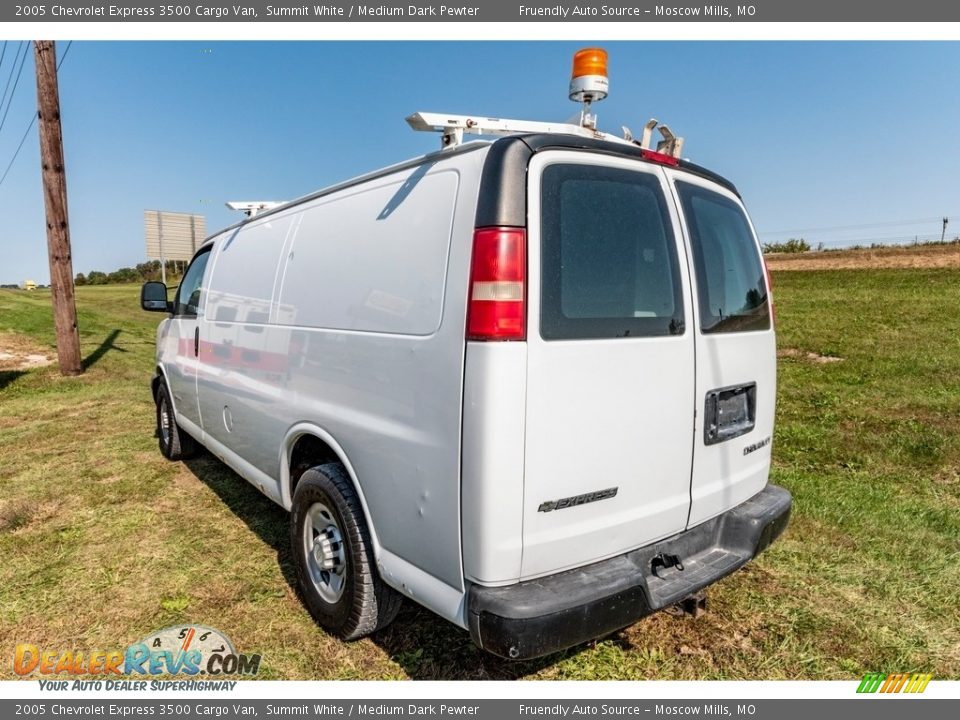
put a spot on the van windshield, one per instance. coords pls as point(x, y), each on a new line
point(730, 277)
point(609, 263)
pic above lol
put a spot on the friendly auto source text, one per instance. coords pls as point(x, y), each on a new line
point(580, 11)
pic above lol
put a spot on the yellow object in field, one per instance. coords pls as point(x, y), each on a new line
point(29, 285)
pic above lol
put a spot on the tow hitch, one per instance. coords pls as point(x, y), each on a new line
point(693, 605)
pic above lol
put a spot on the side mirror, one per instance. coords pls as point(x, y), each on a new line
point(153, 298)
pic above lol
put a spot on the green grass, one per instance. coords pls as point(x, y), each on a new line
point(103, 541)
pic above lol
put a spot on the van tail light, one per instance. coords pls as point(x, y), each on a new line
point(773, 310)
point(497, 309)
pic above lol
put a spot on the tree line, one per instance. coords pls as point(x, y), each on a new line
point(141, 273)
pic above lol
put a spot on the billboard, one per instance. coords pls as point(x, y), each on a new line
point(173, 235)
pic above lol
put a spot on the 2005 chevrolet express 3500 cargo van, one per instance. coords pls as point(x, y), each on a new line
point(527, 383)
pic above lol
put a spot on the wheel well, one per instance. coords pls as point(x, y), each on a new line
point(155, 383)
point(308, 451)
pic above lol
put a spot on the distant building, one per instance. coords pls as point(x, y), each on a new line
point(29, 285)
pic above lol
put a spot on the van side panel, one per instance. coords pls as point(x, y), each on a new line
point(373, 258)
point(373, 296)
point(338, 312)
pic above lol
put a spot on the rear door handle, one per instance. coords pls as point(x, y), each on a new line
point(196, 342)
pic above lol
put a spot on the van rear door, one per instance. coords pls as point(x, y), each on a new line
point(610, 351)
point(735, 349)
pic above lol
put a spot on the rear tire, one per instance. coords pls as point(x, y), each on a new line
point(175, 444)
point(334, 559)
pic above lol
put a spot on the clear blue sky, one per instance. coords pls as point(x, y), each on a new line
point(815, 135)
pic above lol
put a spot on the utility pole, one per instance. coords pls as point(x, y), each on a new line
point(943, 233)
point(55, 201)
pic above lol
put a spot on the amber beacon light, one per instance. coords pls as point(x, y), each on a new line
point(588, 82)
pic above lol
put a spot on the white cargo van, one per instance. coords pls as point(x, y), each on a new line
point(527, 383)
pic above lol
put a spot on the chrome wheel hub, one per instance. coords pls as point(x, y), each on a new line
point(325, 552)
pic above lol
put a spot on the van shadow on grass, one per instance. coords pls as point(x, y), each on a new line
point(265, 518)
point(428, 647)
point(423, 644)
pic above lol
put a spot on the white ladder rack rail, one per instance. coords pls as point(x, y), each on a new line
point(454, 127)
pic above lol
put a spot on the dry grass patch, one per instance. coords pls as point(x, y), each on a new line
point(15, 514)
point(20, 352)
point(915, 257)
point(797, 354)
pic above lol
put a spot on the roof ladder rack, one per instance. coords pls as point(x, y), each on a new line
point(454, 127)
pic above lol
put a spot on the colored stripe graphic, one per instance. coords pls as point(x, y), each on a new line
point(918, 683)
point(896, 683)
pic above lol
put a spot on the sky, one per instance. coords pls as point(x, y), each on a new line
point(834, 142)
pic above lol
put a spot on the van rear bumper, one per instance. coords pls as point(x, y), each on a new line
point(537, 617)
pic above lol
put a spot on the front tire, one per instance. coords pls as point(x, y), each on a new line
point(334, 559)
point(175, 444)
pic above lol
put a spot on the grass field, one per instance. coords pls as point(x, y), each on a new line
point(103, 541)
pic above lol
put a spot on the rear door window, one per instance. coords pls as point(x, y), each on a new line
point(608, 256)
point(730, 277)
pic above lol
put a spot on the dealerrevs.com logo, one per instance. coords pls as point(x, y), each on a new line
point(179, 649)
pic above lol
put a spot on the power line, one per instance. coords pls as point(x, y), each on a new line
point(862, 226)
point(16, 82)
point(33, 120)
point(63, 55)
point(10, 76)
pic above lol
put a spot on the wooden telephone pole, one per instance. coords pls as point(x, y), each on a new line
point(55, 200)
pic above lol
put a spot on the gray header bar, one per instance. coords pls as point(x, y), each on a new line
point(638, 11)
point(192, 708)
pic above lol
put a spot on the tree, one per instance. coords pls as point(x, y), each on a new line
point(793, 245)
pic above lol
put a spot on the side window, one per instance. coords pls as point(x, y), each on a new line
point(731, 285)
point(609, 263)
point(188, 294)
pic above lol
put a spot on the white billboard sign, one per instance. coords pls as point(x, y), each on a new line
point(173, 235)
